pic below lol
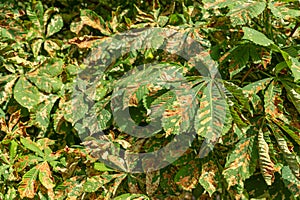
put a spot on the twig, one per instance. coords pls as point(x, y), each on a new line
point(294, 29)
point(246, 75)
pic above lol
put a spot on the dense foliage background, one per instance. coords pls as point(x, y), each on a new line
point(256, 44)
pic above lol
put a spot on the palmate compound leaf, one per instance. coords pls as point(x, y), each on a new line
point(265, 162)
point(241, 162)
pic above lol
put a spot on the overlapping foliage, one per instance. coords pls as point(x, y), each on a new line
point(256, 149)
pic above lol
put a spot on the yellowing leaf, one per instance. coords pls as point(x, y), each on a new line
point(209, 177)
point(210, 118)
point(45, 177)
point(27, 94)
point(27, 187)
point(89, 18)
point(152, 182)
point(266, 164)
point(55, 25)
point(241, 163)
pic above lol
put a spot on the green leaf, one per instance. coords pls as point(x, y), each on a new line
point(27, 94)
point(13, 150)
point(112, 190)
point(56, 23)
point(290, 181)
point(129, 196)
point(240, 12)
point(241, 162)
point(102, 167)
point(27, 160)
point(45, 77)
point(179, 111)
point(45, 83)
point(290, 157)
point(295, 67)
point(243, 11)
point(7, 83)
point(272, 101)
point(92, 184)
point(290, 130)
point(162, 20)
point(209, 4)
point(210, 117)
point(53, 67)
point(266, 164)
point(253, 88)
point(29, 144)
point(4, 33)
point(35, 16)
point(183, 176)
point(280, 10)
point(239, 56)
point(11, 193)
point(71, 187)
point(256, 37)
point(41, 117)
point(293, 95)
point(240, 97)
